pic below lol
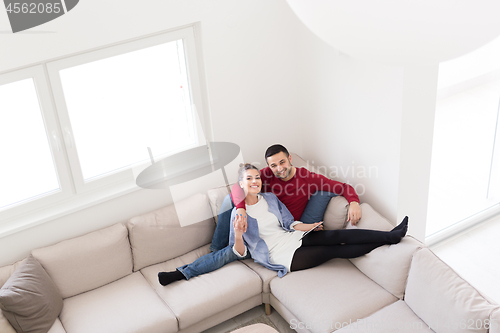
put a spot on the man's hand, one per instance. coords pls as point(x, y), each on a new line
point(307, 226)
point(240, 225)
point(354, 213)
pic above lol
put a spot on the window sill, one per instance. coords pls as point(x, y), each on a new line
point(462, 225)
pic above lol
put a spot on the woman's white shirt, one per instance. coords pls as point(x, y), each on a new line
point(281, 243)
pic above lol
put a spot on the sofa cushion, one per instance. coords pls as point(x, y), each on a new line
point(335, 216)
point(389, 265)
point(442, 298)
point(206, 295)
point(158, 236)
point(334, 292)
point(5, 273)
point(316, 206)
point(88, 262)
point(216, 197)
point(265, 274)
point(397, 317)
point(29, 299)
point(128, 305)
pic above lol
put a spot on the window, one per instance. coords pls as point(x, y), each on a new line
point(118, 106)
point(25, 149)
point(464, 186)
point(111, 105)
point(33, 172)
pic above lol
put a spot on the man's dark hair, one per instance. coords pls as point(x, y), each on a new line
point(275, 149)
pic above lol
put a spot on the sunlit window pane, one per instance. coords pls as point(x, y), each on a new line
point(27, 168)
point(462, 156)
point(121, 105)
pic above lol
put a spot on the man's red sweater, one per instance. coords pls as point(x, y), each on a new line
point(295, 193)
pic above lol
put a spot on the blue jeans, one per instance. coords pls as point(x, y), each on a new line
point(222, 254)
point(209, 262)
point(221, 234)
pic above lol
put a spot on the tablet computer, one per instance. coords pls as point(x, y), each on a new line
point(308, 231)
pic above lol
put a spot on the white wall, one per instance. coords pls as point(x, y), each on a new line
point(372, 125)
point(352, 121)
point(251, 57)
point(417, 133)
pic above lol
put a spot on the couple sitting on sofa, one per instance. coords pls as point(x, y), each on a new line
point(272, 233)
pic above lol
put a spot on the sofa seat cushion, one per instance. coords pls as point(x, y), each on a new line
point(397, 317)
point(454, 301)
point(334, 292)
point(128, 305)
point(265, 274)
point(206, 295)
point(87, 262)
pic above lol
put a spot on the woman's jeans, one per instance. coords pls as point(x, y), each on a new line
point(221, 234)
point(221, 254)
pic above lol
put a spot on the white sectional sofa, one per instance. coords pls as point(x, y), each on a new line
point(108, 282)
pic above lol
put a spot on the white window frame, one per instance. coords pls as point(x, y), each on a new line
point(75, 194)
point(54, 138)
point(54, 67)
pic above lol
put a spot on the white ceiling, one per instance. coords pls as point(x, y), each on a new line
point(419, 32)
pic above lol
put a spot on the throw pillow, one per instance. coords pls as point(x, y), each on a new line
point(316, 207)
point(29, 299)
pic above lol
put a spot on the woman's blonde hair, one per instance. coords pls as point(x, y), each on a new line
point(243, 168)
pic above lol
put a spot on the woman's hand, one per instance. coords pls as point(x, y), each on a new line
point(240, 225)
point(308, 226)
point(242, 212)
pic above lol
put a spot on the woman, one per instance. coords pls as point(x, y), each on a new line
point(273, 238)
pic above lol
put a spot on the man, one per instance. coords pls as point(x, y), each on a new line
point(293, 186)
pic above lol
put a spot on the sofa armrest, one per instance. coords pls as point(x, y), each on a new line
point(495, 321)
point(387, 265)
point(443, 299)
